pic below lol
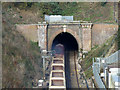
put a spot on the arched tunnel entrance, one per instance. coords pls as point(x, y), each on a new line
point(67, 40)
point(70, 52)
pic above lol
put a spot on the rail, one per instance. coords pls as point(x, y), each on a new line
point(76, 69)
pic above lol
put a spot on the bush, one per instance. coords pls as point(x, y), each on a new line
point(103, 3)
point(23, 5)
point(20, 16)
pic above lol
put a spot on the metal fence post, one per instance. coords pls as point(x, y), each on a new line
point(43, 67)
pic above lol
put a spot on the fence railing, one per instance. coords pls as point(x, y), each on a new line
point(98, 80)
point(102, 62)
point(112, 58)
point(96, 71)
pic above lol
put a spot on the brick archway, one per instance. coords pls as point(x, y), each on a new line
point(73, 33)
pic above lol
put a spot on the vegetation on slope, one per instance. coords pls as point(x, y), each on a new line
point(99, 12)
point(97, 51)
point(118, 38)
point(21, 59)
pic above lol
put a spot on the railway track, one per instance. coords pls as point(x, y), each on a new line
point(57, 75)
point(63, 72)
point(71, 74)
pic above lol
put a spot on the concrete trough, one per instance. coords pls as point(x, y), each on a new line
point(57, 67)
point(57, 88)
point(59, 56)
point(58, 61)
point(57, 74)
point(57, 82)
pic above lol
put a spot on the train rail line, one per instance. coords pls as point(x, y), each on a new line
point(72, 81)
point(57, 75)
point(63, 72)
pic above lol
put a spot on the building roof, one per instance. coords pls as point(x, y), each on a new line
point(58, 18)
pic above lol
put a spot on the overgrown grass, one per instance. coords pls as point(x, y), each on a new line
point(95, 12)
point(89, 73)
point(118, 38)
point(96, 51)
point(22, 61)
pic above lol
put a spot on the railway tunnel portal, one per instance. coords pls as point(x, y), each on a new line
point(70, 54)
point(68, 40)
point(80, 31)
point(76, 37)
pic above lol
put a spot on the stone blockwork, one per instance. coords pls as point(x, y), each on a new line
point(54, 30)
point(42, 33)
point(101, 32)
point(87, 35)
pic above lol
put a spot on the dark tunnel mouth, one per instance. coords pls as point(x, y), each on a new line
point(67, 40)
point(70, 46)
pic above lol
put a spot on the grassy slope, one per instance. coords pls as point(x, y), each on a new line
point(81, 11)
point(118, 38)
point(93, 12)
point(97, 51)
point(21, 59)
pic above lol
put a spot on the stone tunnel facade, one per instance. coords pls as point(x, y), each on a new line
point(81, 32)
point(87, 35)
